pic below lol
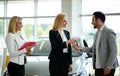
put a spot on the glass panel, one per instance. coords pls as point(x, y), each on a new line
point(20, 8)
point(28, 29)
point(1, 9)
point(49, 7)
point(1, 29)
point(112, 6)
point(7, 24)
point(87, 29)
point(113, 22)
point(44, 25)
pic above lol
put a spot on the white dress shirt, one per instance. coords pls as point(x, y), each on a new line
point(97, 47)
point(13, 43)
point(62, 34)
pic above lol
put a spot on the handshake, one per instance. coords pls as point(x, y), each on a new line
point(74, 44)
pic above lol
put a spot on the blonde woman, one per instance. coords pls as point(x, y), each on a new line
point(14, 41)
point(60, 56)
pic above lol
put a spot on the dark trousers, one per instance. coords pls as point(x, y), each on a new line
point(100, 72)
point(15, 69)
point(59, 67)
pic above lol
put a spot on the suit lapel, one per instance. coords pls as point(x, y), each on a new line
point(17, 40)
point(66, 34)
point(95, 37)
point(57, 34)
point(102, 33)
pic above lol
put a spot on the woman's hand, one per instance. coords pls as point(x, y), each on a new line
point(28, 52)
point(70, 68)
point(71, 41)
point(28, 49)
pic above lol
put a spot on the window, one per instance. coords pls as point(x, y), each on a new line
point(49, 7)
point(23, 8)
point(46, 12)
point(1, 29)
point(1, 20)
point(37, 15)
point(43, 26)
point(28, 28)
point(112, 16)
point(1, 9)
point(112, 6)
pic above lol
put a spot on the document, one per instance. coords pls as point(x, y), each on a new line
point(27, 44)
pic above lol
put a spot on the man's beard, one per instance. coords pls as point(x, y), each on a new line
point(95, 26)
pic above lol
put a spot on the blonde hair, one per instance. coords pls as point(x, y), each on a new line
point(58, 22)
point(12, 24)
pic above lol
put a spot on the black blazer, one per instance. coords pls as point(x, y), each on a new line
point(57, 46)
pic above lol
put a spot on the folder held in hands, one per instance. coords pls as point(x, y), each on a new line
point(27, 44)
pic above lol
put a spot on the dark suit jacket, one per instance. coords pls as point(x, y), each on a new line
point(57, 46)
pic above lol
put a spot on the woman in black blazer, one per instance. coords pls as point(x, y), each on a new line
point(60, 56)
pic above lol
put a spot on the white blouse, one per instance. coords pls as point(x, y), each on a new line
point(13, 43)
point(63, 36)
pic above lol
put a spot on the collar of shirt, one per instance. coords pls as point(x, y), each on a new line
point(101, 28)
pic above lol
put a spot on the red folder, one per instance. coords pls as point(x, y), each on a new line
point(27, 44)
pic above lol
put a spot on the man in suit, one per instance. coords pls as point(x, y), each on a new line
point(104, 47)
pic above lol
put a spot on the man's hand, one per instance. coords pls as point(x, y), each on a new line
point(107, 71)
point(77, 47)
